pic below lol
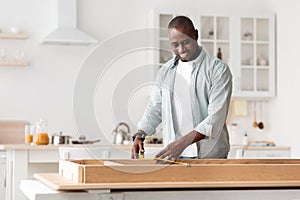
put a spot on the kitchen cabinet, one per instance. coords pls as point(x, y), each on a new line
point(159, 19)
point(267, 152)
point(105, 152)
point(255, 76)
point(246, 43)
point(2, 174)
point(215, 36)
point(20, 161)
point(240, 151)
point(18, 57)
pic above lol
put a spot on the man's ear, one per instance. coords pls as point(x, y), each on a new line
point(196, 34)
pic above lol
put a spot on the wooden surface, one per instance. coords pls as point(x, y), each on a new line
point(17, 36)
point(57, 182)
point(213, 172)
point(12, 131)
point(14, 63)
point(22, 146)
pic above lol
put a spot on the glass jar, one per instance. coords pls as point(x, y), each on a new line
point(42, 137)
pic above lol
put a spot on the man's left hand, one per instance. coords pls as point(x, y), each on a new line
point(174, 149)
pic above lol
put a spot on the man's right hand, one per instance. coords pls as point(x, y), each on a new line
point(138, 145)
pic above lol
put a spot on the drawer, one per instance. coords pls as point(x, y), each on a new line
point(43, 156)
point(274, 153)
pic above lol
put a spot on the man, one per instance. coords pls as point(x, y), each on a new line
point(191, 97)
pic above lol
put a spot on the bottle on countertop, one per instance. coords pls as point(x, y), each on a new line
point(219, 54)
point(245, 139)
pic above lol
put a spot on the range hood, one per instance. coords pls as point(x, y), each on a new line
point(67, 32)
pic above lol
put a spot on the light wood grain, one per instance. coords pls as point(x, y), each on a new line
point(11, 63)
point(213, 170)
point(12, 131)
point(57, 182)
point(18, 36)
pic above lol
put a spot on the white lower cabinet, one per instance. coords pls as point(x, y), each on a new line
point(116, 152)
point(2, 174)
point(267, 153)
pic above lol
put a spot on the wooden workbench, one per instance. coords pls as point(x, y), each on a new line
point(144, 174)
point(274, 179)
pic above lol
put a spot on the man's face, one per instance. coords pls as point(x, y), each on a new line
point(184, 43)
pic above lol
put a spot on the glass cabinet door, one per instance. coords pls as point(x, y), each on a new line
point(255, 69)
point(165, 52)
point(214, 36)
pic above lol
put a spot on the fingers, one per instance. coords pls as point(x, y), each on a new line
point(134, 151)
point(161, 153)
point(165, 156)
point(138, 146)
point(141, 146)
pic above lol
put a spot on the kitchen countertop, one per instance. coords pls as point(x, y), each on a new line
point(54, 147)
point(268, 148)
point(44, 158)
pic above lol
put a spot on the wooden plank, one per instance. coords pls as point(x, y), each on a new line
point(17, 36)
point(214, 170)
point(57, 182)
point(114, 174)
point(14, 63)
point(191, 161)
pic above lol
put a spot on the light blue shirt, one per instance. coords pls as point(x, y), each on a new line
point(210, 90)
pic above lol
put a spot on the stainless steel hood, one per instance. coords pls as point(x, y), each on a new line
point(67, 32)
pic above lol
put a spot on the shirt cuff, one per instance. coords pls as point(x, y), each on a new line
point(205, 129)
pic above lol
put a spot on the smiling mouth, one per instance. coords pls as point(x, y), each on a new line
point(183, 54)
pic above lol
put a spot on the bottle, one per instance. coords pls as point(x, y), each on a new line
point(245, 139)
point(219, 54)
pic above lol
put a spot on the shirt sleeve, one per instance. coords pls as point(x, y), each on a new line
point(218, 102)
point(152, 116)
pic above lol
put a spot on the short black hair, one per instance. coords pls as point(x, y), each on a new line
point(181, 22)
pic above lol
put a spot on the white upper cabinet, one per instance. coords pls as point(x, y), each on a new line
point(255, 76)
point(245, 42)
point(215, 35)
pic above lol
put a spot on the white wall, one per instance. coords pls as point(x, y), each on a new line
point(45, 88)
point(284, 115)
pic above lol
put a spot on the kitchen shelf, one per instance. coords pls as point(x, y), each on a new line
point(20, 54)
point(14, 63)
point(17, 36)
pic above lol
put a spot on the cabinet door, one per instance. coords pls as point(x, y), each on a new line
point(2, 174)
point(255, 76)
point(267, 154)
point(251, 154)
point(165, 52)
point(215, 36)
point(159, 20)
point(274, 154)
